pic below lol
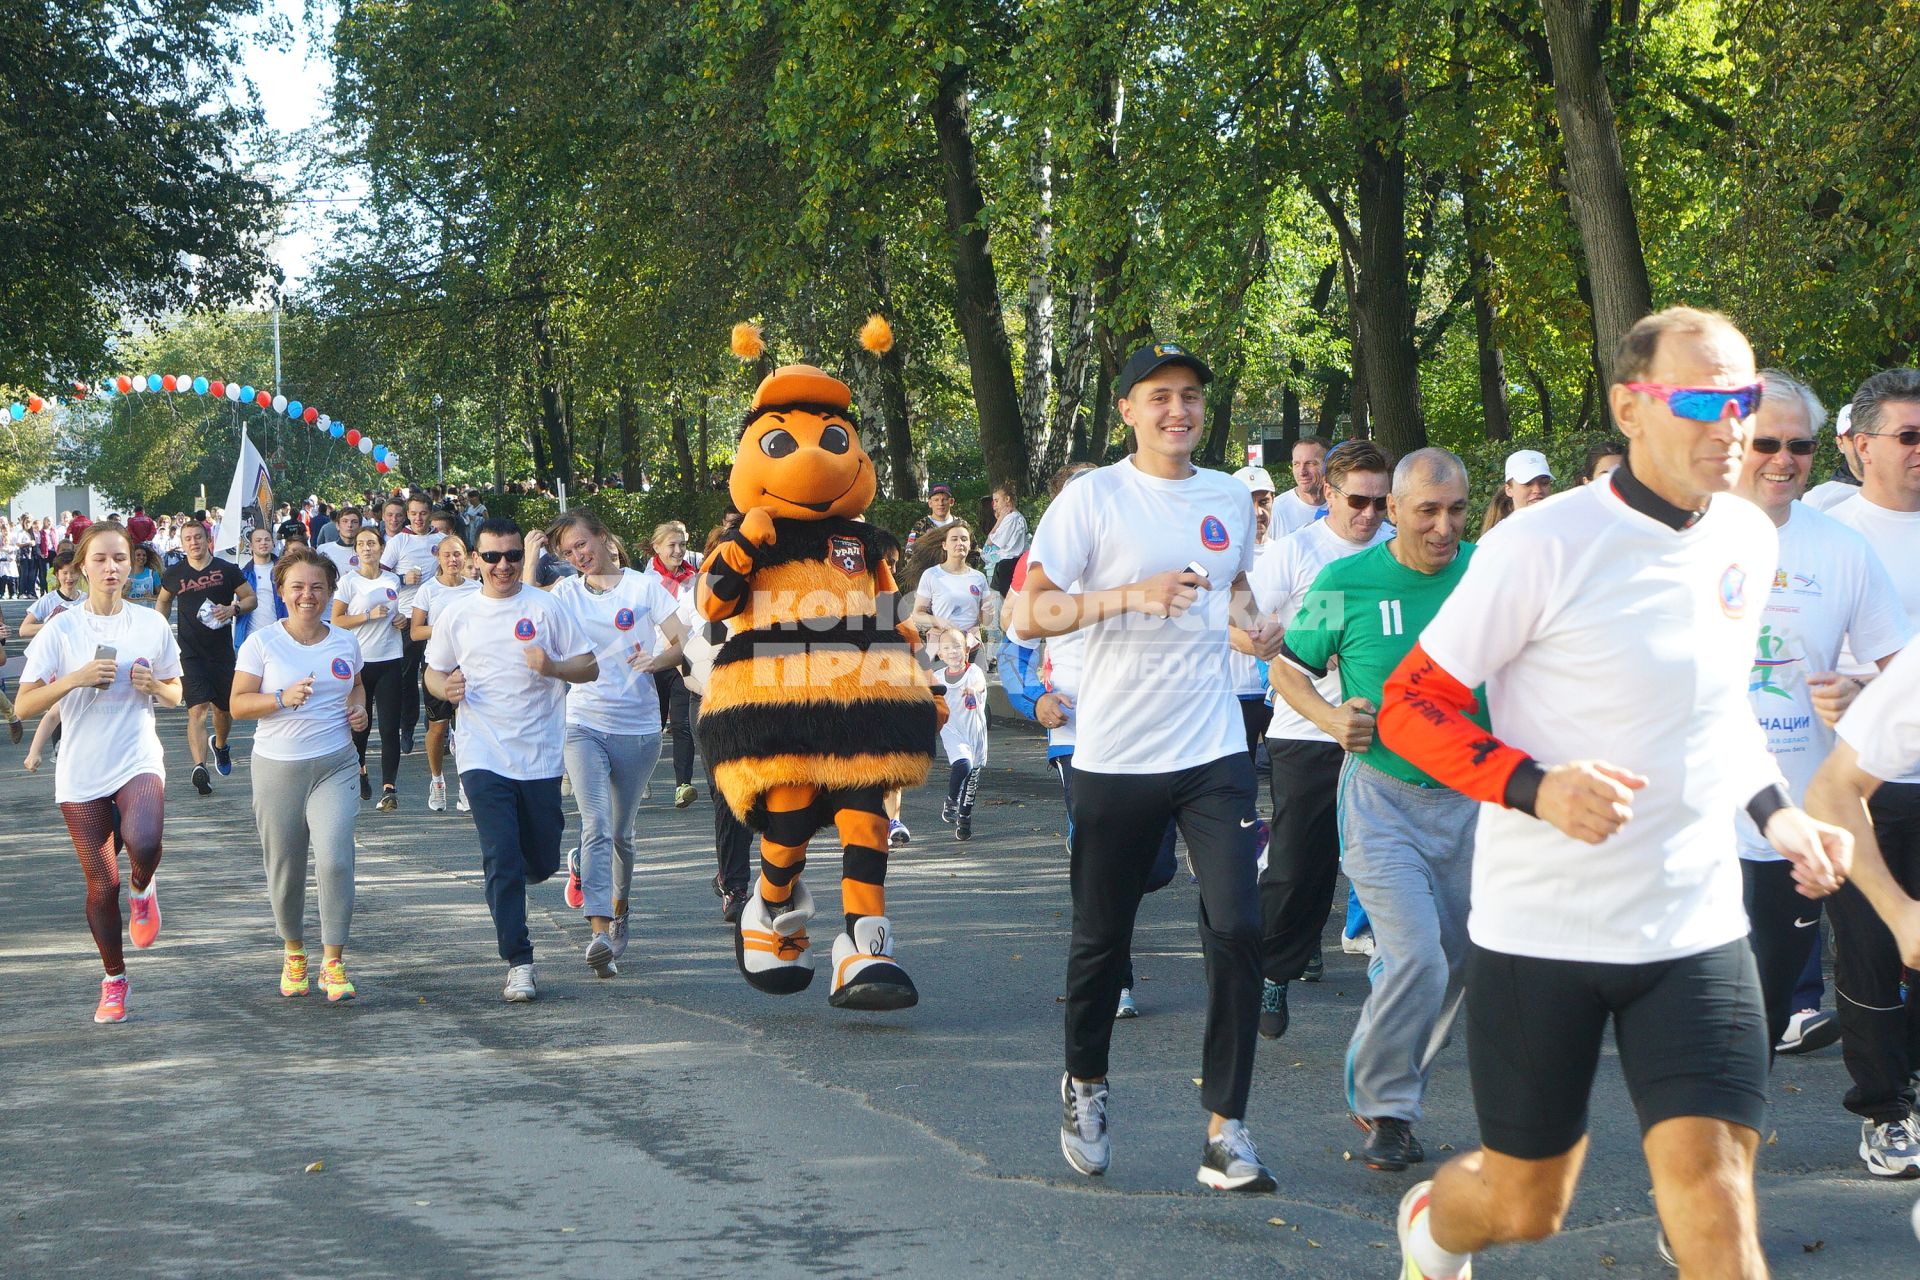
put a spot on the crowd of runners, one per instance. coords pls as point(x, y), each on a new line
point(1600, 768)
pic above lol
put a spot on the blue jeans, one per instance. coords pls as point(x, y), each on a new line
point(609, 771)
point(519, 823)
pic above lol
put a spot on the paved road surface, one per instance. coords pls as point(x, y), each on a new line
point(675, 1122)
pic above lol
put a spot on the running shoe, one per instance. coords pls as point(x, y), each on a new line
point(1230, 1163)
point(113, 999)
point(1413, 1206)
point(617, 934)
point(1891, 1150)
point(293, 973)
point(1316, 966)
point(1390, 1145)
point(963, 827)
point(947, 812)
point(683, 795)
point(1809, 1031)
point(462, 804)
point(389, 800)
point(15, 729)
point(1083, 1126)
point(1127, 1008)
point(334, 981)
point(521, 986)
point(1361, 944)
point(366, 786)
point(437, 796)
point(202, 780)
point(600, 956)
point(144, 926)
point(897, 833)
point(732, 903)
point(222, 757)
point(406, 742)
point(1273, 1010)
point(576, 896)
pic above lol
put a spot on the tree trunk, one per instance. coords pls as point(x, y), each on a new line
point(1544, 394)
point(1358, 426)
point(682, 448)
point(706, 417)
point(1213, 451)
point(1112, 440)
point(632, 466)
point(1065, 438)
point(1037, 375)
point(1333, 404)
point(1596, 176)
point(903, 468)
point(1384, 309)
point(1003, 440)
point(552, 419)
point(1091, 445)
point(1493, 361)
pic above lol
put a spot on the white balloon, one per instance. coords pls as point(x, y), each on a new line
point(366, 445)
point(323, 422)
point(279, 404)
point(183, 381)
point(233, 392)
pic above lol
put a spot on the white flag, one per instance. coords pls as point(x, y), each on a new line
point(252, 487)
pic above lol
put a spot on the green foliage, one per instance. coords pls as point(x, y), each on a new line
point(632, 517)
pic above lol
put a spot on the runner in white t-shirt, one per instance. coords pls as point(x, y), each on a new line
point(1160, 551)
point(504, 657)
point(1829, 591)
point(952, 594)
point(1301, 505)
point(345, 527)
point(1613, 627)
point(1879, 1009)
point(1249, 673)
point(105, 665)
point(1303, 849)
point(300, 678)
point(367, 604)
point(409, 557)
point(435, 596)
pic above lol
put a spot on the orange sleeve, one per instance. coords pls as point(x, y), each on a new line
point(1423, 719)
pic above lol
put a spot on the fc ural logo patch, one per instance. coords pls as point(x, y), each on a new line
point(523, 629)
point(847, 555)
point(1213, 533)
point(1733, 591)
point(624, 620)
point(342, 669)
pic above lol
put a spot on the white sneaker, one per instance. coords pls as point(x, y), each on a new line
point(1359, 945)
point(1128, 1007)
point(462, 804)
point(773, 950)
point(864, 973)
point(1891, 1150)
point(520, 984)
point(617, 935)
point(1229, 1162)
point(437, 795)
point(600, 957)
point(1083, 1126)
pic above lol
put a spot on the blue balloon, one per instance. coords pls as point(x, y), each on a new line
point(336, 430)
point(293, 408)
point(153, 382)
point(199, 386)
point(379, 453)
point(18, 411)
point(246, 395)
point(108, 389)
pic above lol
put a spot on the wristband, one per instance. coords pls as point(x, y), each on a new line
point(278, 700)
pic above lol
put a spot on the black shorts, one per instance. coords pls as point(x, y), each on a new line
point(206, 678)
point(438, 709)
point(1691, 1032)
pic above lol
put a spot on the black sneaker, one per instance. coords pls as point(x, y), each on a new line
point(947, 812)
point(732, 903)
point(1316, 966)
point(963, 827)
point(1230, 1163)
point(366, 786)
point(1273, 1010)
point(202, 780)
point(222, 758)
point(389, 801)
point(1390, 1145)
point(406, 742)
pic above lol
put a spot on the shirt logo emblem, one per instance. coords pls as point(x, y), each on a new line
point(975, 590)
point(523, 629)
point(624, 620)
point(392, 594)
point(1733, 591)
point(1213, 533)
point(847, 554)
point(969, 702)
point(342, 669)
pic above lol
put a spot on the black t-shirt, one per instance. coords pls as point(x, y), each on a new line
point(190, 588)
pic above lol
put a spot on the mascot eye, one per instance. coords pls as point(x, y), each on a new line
point(778, 444)
point(834, 440)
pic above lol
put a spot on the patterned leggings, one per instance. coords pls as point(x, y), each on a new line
point(132, 816)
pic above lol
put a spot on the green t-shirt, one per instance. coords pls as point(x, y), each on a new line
point(1368, 611)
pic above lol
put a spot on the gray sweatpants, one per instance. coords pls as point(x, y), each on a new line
point(609, 773)
point(302, 805)
point(1409, 852)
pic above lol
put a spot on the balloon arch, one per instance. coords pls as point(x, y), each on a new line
point(384, 459)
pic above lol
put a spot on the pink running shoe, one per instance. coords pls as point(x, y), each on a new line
point(576, 894)
point(144, 928)
point(113, 1000)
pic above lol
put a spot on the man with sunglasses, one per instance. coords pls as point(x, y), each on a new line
point(1613, 630)
point(1879, 1020)
point(504, 655)
point(1830, 593)
point(1303, 852)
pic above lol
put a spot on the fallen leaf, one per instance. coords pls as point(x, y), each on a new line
point(1196, 1082)
point(1376, 1244)
point(1016, 957)
point(318, 1166)
point(1276, 1222)
point(1446, 1146)
point(423, 1203)
point(1299, 1064)
point(1312, 1243)
point(1606, 1260)
point(1815, 1247)
point(1346, 1155)
point(1793, 1088)
point(567, 1231)
point(1773, 1139)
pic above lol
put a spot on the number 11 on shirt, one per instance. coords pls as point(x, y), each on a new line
point(1390, 624)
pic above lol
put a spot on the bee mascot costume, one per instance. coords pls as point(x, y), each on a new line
point(816, 706)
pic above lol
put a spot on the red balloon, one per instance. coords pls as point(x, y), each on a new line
point(309, 415)
point(79, 391)
point(217, 388)
point(166, 382)
point(123, 384)
point(263, 398)
point(35, 404)
point(381, 467)
point(353, 438)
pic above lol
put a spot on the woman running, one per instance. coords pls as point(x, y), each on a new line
point(449, 584)
point(366, 603)
point(674, 568)
point(300, 678)
point(143, 584)
point(613, 723)
point(105, 664)
point(950, 594)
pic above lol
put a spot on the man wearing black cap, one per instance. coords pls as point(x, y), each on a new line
point(1157, 551)
point(940, 515)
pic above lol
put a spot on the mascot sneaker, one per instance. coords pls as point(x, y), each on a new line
point(773, 950)
point(864, 974)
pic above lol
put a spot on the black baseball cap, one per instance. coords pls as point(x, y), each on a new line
point(1146, 359)
point(292, 529)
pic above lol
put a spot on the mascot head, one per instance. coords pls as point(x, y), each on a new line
point(800, 454)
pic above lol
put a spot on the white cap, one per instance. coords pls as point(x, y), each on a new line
point(1524, 465)
point(1843, 420)
point(1256, 479)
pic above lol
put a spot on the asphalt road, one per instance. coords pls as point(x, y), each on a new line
point(673, 1121)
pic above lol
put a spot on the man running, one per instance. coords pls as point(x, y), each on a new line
point(1613, 628)
point(339, 549)
point(1159, 551)
point(1406, 840)
point(1301, 505)
point(410, 557)
point(212, 592)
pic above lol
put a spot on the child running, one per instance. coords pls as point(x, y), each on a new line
point(965, 733)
